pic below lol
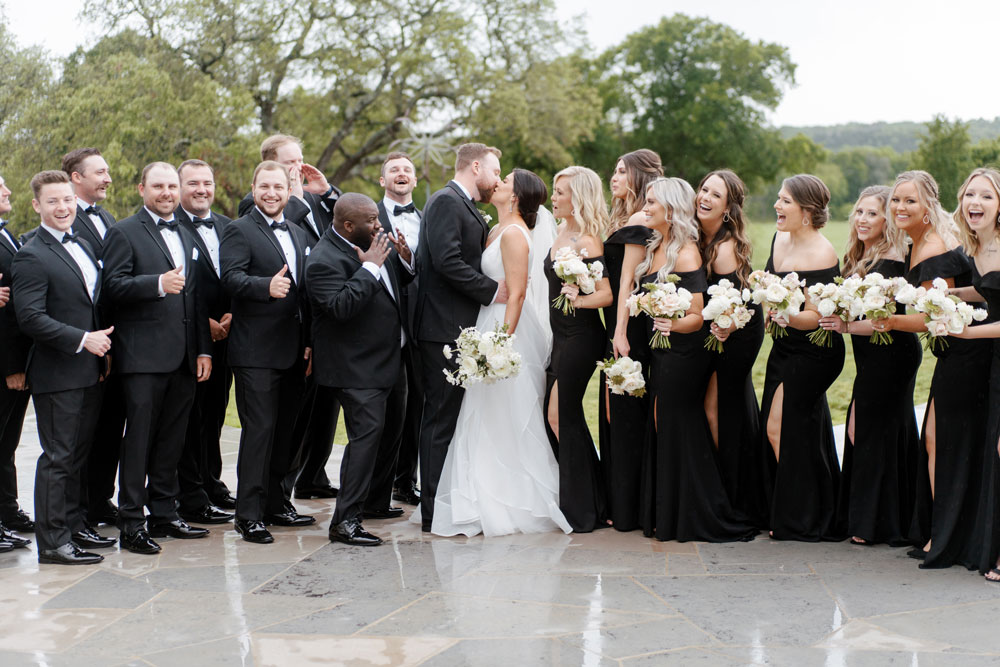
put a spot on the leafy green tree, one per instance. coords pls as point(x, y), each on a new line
point(945, 152)
point(802, 155)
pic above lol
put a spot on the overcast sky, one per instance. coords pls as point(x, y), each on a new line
point(858, 60)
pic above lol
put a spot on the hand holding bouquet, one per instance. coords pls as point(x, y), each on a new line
point(727, 307)
point(782, 295)
point(483, 357)
point(943, 313)
point(623, 376)
point(572, 270)
point(878, 301)
point(661, 300)
point(842, 298)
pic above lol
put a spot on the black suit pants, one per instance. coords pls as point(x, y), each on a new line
point(102, 462)
point(442, 402)
point(409, 446)
point(315, 428)
point(201, 460)
point(13, 405)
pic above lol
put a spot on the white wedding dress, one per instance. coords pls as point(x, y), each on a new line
point(500, 476)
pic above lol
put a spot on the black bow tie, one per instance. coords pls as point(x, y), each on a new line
point(93, 210)
point(409, 208)
point(283, 226)
point(3, 223)
point(70, 236)
point(169, 224)
point(207, 222)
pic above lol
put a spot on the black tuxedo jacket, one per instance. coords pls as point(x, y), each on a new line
point(84, 227)
point(449, 256)
point(54, 308)
point(357, 324)
point(153, 334)
point(409, 296)
point(14, 345)
point(266, 332)
point(296, 211)
point(210, 290)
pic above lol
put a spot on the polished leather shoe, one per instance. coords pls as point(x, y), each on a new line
point(289, 517)
point(88, 538)
point(308, 492)
point(207, 514)
point(5, 546)
point(410, 495)
point(68, 554)
point(253, 531)
point(19, 521)
point(225, 501)
point(177, 528)
point(385, 513)
point(106, 514)
point(16, 541)
point(352, 532)
point(138, 542)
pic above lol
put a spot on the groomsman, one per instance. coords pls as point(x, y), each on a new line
point(263, 270)
point(14, 395)
point(359, 334)
point(201, 461)
point(90, 176)
point(398, 213)
point(57, 279)
point(163, 347)
point(452, 289)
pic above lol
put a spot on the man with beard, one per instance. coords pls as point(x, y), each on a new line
point(263, 270)
point(359, 331)
point(201, 488)
point(452, 289)
point(163, 347)
point(398, 213)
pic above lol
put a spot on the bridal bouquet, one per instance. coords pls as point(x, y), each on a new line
point(664, 300)
point(783, 295)
point(943, 313)
point(727, 307)
point(878, 301)
point(843, 298)
point(572, 270)
point(623, 376)
point(483, 357)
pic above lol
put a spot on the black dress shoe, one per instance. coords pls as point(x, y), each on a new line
point(289, 517)
point(207, 514)
point(253, 531)
point(352, 532)
point(307, 492)
point(88, 538)
point(409, 495)
point(69, 554)
point(106, 514)
point(16, 541)
point(19, 521)
point(386, 513)
point(138, 542)
point(225, 501)
point(177, 528)
point(5, 546)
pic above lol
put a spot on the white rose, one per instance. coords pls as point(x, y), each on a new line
point(776, 293)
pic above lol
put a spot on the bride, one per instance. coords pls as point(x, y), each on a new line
point(500, 475)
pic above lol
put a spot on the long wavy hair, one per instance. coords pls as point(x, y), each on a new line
point(677, 197)
point(856, 258)
point(642, 167)
point(970, 241)
point(938, 219)
point(734, 226)
point(587, 194)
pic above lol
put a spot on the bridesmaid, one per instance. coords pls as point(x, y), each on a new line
point(683, 494)
point(978, 218)
point(879, 473)
point(623, 418)
point(802, 471)
point(725, 254)
point(578, 343)
point(950, 459)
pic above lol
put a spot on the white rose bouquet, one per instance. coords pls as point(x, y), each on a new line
point(842, 297)
point(664, 300)
point(943, 313)
point(572, 270)
point(727, 307)
point(783, 295)
point(623, 376)
point(878, 301)
point(483, 357)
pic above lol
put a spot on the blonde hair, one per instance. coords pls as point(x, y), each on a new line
point(587, 194)
point(856, 258)
point(969, 239)
point(927, 193)
point(677, 197)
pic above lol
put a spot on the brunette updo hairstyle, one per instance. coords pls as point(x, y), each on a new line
point(531, 193)
point(812, 195)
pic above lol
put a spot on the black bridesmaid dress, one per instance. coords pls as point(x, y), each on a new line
point(623, 433)
point(578, 343)
point(684, 498)
point(958, 391)
point(740, 458)
point(988, 521)
point(803, 483)
point(878, 476)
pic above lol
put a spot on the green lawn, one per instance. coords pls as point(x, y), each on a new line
point(839, 395)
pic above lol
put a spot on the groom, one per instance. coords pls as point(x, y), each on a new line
point(452, 290)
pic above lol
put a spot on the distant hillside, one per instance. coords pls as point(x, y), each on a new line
point(902, 137)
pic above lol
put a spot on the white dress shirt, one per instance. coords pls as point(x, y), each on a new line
point(381, 273)
point(309, 216)
point(9, 238)
point(99, 225)
point(82, 259)
point(211, 239)
point(408, 223)
point(285, 241)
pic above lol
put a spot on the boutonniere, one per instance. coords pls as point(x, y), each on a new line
point(487, 218)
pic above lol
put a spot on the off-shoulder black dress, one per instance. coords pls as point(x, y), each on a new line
point(988, 521)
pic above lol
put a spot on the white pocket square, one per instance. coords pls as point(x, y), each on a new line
point(194, 254)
